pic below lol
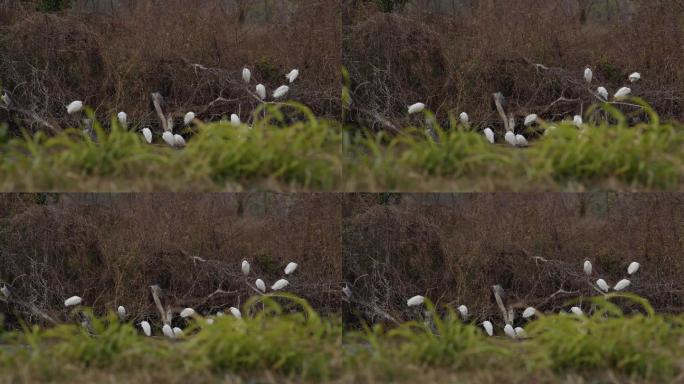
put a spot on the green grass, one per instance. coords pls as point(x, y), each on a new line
point(278, 153)
point(291, 342)
point(646, 156)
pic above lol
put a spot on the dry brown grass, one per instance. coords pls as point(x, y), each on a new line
point(114, 63)
point(455, 62)
point(454, 248)
point(110, 248)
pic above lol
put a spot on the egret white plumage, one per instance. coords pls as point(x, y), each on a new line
point(260, 285)
point(73, 300)
point(280, 284)
point(187, 312)
point(121, 312)
point(281, 91)
point(463, 311)
point(578, 121)
point(168, 331)
point(622, 284)
point(416, 108)
point(520, 141)
point(147, 329)
point(488, 327)
point(246, 75)
point(464, 118)
point(261, 91)
point(179, 141)
point(5, 291)
point(6, 99)
point(603, 92)
point(236, 312)
point(588, 75)
point(347, 291)
point(577, 311)
point(633, 267)
point(529, 312)
point(510, 138)
point(168, 138)
point(510, 332)
point(520, 332)
point(531, 119)
point(293, 75)
point(623, 92)
point(290, 268)
point(602, 285)
point(489, 134)
point(189, 117)
point(415, 300)
point(147, 134)
point(634, 77)
point(245, 267)
point(235, 119)
point(587, 267)
point(123, 118)
point(177, 332)
point(74, 107)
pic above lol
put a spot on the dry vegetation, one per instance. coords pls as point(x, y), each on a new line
point(109, 249)
point(454, 248)
point(454, 62)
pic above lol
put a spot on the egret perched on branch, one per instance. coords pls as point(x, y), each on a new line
point(75, 107)
point(520, 141)
point(169, 139)
point(121, 311)
point(123, 118)
point(416, 108)
point(623, 92)
point(179, 141)
point(510, 332)
point(5, 99)
point(293, 75)
point(147, 134)
point(5, 291)
point(487, 325)
point(603, 92)
point(463, 310)
point(633, 267)
point(489, 134)
point(464, 118)
point(147, 329)
point(347, 291)
point(245, 267)
point(634, 77)
point(529, 312)
point(189, 117)
point(415, 300)
point(577, 311)
point(290, 268)
point(622, 284)
point(261, 91)
point(73, 300)
point(236, 312)
point(260, 285)
point(235, 119)
point(531, 119)
point(167, 331)
point(587, 268)
point(281, 91)
point(187, 312)
point(246, 75)
point(602, 285)
point(280, 284)
point(510, 138)
point(588, 75)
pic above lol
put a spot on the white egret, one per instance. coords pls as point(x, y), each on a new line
point(246, 75)
point(622, 284)
point(463, 310)
point(293, 75)
point(531, 119)
point(281, 91)
point(73, 300)
point(633, 267)
point(235, 119)
point(416, 108)
point(578, 121)
point(280, 284)
point(623, 92)
point(510, 332)
point(147, 134)
point(602, 285)
point(464, 118)
point(587, 267)
point(415, 300)
point(189, 117)
point(588, 75)
point(489, 134)
point(167, 331)
point(520, 332)
point(245, 267)
point(6, 99)
point(260, 285)
point(603, 92)
point(290, 268)
point(236, 312)
point(634, 77)
point(74, 107)
point(347, 291)
point(510, 138)
point(147, 329)
point(123, 118)
point(177, 332)
point(121, 311)
point(179, 141)
point(169, 139)
point(5, 291)
point(187, 312)
point(529, 312)
point(488, 327)
point(577, 311)
point(261, 91)
point(521, 141)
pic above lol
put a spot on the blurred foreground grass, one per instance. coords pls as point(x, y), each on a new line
point(292, 343)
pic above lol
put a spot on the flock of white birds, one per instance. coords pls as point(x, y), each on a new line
point(519, 140)
point(519, 332)
point(189, 313)
point(176, 140)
